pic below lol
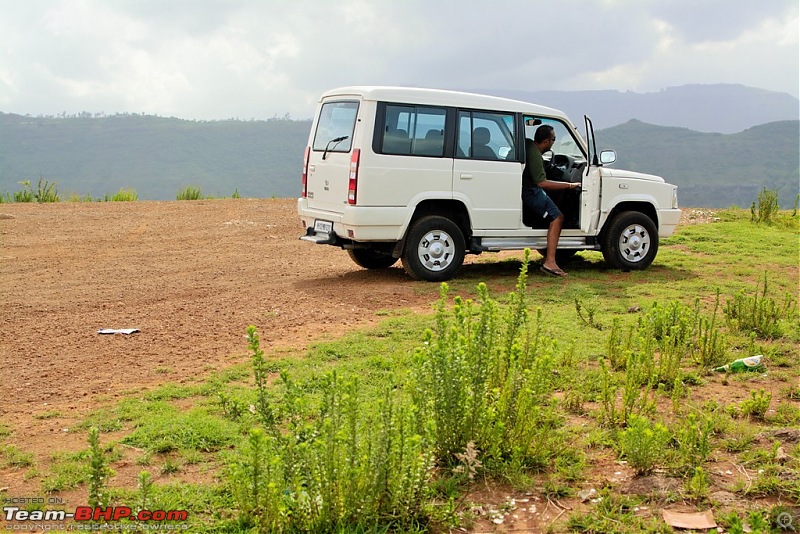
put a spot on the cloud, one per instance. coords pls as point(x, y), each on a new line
point(255, 58)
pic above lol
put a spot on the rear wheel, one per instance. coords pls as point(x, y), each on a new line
point(370, 259)
point(631, 241)
point(434, 250)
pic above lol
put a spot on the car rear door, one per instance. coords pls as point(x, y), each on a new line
point(330, 154)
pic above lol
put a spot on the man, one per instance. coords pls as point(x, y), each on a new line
point(534, 196)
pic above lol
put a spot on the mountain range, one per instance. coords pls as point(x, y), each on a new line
point(158, 157)
point(722, 108)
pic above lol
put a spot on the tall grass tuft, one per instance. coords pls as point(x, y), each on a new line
point(45, 191)
point(190, 193)
point(123, 195)
point(760, 314)
point(767, 206)
point(709, 347)
point(99, 471)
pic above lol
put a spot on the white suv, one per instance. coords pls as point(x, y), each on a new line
point(428, 176)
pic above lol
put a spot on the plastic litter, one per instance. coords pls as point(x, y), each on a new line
point(751, 363)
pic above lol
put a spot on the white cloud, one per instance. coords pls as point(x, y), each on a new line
point(256, 58)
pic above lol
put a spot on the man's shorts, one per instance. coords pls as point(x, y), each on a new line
point(542, 206)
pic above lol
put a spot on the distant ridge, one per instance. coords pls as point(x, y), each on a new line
point(156, 156)
point(723, 108)
point(712, 169)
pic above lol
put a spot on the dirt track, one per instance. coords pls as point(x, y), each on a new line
point(190, 275)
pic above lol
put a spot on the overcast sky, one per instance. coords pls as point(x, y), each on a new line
point(218, 59)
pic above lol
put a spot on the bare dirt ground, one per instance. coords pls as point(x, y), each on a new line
point(191, 276)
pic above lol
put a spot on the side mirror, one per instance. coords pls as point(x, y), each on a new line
point(607, 157)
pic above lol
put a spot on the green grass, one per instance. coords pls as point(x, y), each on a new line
point(703, 420)
point(190, 193)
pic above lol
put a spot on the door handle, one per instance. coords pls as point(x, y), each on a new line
point(466, 177)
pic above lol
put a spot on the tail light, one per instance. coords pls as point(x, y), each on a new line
point(352, 185)
point(304, 187)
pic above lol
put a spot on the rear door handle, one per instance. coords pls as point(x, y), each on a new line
point(466, 177)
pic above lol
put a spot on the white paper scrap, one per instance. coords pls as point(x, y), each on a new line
point(125, 331)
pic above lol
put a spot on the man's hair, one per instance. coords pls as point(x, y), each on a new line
point(543, 132)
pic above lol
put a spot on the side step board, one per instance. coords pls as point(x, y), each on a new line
point(496, 244)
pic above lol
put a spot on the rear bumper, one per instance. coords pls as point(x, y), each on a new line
point(355, 223)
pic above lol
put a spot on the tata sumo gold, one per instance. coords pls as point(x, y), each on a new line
point(426, 176)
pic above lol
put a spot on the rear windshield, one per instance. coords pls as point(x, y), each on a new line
point(335, 126)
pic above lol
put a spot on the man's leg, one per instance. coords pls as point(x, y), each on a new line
point(553, 233)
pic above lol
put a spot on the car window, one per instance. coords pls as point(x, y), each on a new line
point(485, 135)
point(337, 120)
point(565, 142)
point(413, 130)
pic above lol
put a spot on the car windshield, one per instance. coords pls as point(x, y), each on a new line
point(565, 143)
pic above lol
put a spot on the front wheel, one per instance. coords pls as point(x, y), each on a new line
point(434, 250)
point(631, 241)
point(370, 259)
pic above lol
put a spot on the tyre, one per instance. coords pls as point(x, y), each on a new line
point(631, 241)
point(370, 259)
point(434, 249)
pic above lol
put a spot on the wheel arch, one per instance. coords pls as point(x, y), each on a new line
point(641, 206)
point(454, 210)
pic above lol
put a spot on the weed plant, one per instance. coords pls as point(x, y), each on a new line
point(45, 191)
point(697, 484)
point(190, 193)
point(767, 206)
point(123, 195)
point(642, 443)
point(327, 461)
point(710, 344)
point(693, 440)
point(483, 376)
point(98, 471)
point(757, 405)
point(760, 314)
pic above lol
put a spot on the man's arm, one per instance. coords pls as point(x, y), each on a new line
point(547, 185)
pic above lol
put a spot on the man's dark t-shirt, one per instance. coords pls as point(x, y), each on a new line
point(533, 173)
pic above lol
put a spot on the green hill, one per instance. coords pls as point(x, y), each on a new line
point(712, 169)
point(155, 156)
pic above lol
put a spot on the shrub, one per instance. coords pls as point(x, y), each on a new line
point(190, 193)
point(642, 443)
point(757, 405)
point(98, 471)
point(123, 195)
point(483, 376)
point(336, 464)
point(693, 438)
point(767, 206)
point(760, 314)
